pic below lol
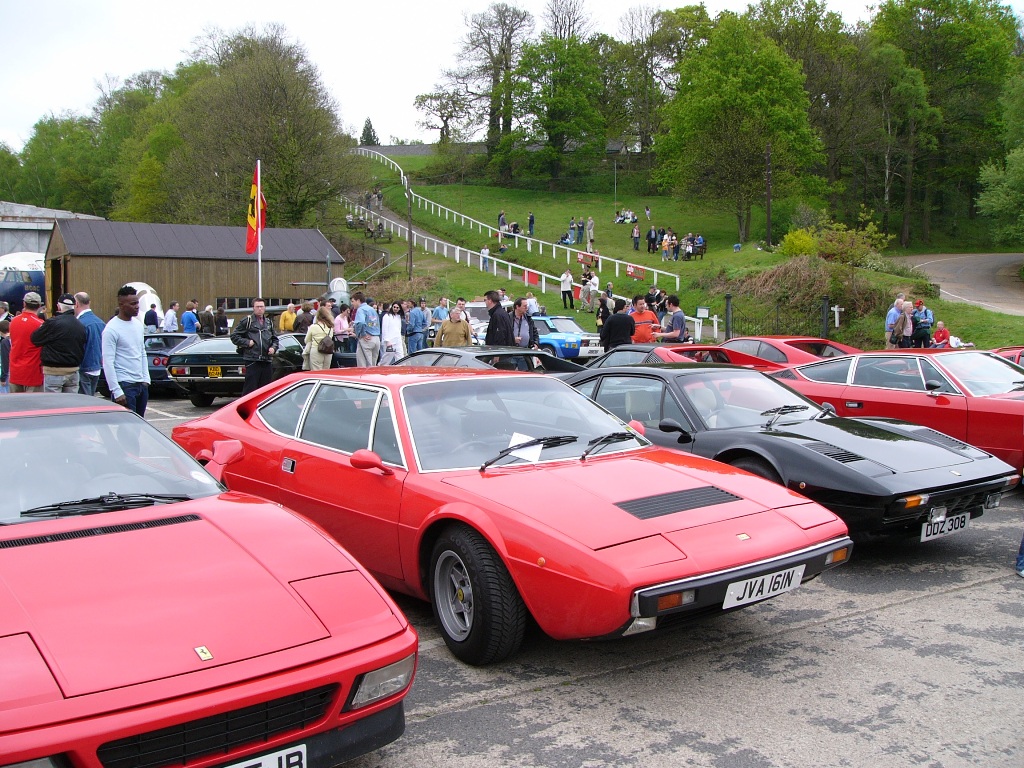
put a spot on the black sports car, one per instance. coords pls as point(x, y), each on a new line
point(879, 475)
point(502, 358)
point(159, 346)
point(213, 368)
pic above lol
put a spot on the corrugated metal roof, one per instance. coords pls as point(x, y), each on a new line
point(190, 241)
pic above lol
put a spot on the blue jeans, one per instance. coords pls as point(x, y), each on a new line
point(137, 395)
point(1020, 556)
point(87, 383)
point(416, 341)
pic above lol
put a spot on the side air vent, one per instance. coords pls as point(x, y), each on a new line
point(87, 533)
point(942, 439)
point(834, 452)
point(676, 501)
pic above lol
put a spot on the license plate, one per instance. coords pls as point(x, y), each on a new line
point(761, 587)
point(591, 351)
point(947, 526)
point(292, 757)
point(214, 371)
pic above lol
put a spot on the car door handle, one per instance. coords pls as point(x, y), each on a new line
point(854, 404)
point(288, 465)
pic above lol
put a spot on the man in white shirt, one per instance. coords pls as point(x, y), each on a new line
point(124, 354)
point(170, 318)
point(566, 286)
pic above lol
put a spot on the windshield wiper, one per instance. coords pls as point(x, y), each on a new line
point(1017, 386)
point(775, 413)
point(548, 442)
point(603, 440)
point(105, 503)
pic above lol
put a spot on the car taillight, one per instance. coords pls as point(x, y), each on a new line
point(178, 370)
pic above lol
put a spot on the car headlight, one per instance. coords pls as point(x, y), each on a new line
point(383, 682)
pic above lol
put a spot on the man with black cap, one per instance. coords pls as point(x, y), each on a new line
point(26, 367)
point(62, 341)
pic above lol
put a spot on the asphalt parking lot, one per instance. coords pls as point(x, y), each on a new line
point(910, 655)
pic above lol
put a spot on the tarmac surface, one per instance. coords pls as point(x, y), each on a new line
point(990, 280)
point(910, 655)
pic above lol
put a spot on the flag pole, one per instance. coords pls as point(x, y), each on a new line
point(259, 231)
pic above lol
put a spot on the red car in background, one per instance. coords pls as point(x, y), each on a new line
point(149, 617)
point(1012, 354)
point(646, 354)
point(789, 350)
point(501, 495)
point(973, 396)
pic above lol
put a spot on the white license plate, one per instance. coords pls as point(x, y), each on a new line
point(591, 351)
point(761, 587)
point(292, 757)
point(947, 526)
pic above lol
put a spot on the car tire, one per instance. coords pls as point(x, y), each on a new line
point(200, 400)
point(756, 466)
point(488, 626)
point(551, 349)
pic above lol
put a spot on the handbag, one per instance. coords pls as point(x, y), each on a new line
point(326, 345)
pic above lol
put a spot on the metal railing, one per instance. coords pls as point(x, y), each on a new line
point(572, 255)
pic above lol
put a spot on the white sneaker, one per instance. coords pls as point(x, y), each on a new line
point(1021, 573)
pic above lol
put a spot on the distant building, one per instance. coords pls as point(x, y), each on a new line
point(182, 261)
point(28, 227)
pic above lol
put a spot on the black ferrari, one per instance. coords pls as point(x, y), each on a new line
point(881, 476)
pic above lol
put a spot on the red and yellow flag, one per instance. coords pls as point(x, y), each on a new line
point(257, 219)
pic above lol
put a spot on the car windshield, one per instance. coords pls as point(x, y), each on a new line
point(732, 398)
point(566, 325)
point(462, 423)
point(982, 373)
point(52, 459)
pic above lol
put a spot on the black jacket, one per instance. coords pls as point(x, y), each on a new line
point(499, 327)
point(617, 329)
point(62, 338)
point(264, 338)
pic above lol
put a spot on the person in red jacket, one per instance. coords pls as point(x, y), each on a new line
point(26, 360)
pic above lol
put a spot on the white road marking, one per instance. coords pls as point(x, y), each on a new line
point(163, 413)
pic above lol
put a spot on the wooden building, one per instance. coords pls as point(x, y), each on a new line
point(183, 261)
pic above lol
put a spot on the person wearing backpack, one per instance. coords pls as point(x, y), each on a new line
point(319, 349)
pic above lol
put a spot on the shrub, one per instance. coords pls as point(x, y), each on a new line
point(799, 242)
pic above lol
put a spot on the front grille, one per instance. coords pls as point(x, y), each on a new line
point(219, 734)
point(676, 501)
point(954, 504)
point(834, 452)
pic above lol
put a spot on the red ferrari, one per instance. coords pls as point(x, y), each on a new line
point(789, 350)
point(973, 396)
point(150, 618)
point(500, 495)
point(646, 354)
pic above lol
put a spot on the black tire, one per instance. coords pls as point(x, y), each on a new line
point(758, 467)
point(200, 399)
point(476, 604)
point(551, 349)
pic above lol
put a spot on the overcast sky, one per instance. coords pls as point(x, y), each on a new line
point(375, 56)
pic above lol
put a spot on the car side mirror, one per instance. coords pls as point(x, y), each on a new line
point(932, 385)
point(671, 425)
point(364, 459)
point(637, 427)
point(224, 453)
point(829, 409)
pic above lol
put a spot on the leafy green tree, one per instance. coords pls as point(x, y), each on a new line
point(369, 136)
point(559, 106)
point(60, 167)
point(742, 96)
point(1002, 197)
point(10, 173)
point(268, 102)
point(964, 49)
point(445, 110)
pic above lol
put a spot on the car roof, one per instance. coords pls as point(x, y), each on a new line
point(412, 374)
point(665, 368)
point(46, 402)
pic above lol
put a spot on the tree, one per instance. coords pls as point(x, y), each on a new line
point(61, 168)
point(369, 136)
point(267, 101)
point(10, 173)
point(964, 50)
point(741, 95)
point(446, 111)
point(567, 19)
point(1002, 197)
point(559, 105)
point(490, 55)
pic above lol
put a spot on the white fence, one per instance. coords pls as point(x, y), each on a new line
point(571, 255)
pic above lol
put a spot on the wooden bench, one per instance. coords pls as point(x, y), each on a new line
point(698, 250)
point(381, 235)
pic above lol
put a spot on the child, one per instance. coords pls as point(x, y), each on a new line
point(5, 356)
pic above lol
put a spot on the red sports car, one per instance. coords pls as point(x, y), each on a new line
point(1010, 353)
point(150, 618)
point(646, 354)
point(496, 495)
point(973, 396)
point(789, 350)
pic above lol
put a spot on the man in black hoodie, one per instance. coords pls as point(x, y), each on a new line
point(499, 326)
point(62, 339)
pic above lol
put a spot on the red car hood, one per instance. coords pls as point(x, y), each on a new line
point(581, 500)
point(131, 606)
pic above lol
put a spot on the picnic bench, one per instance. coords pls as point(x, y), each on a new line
point(698, 250)
point(381, 235)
